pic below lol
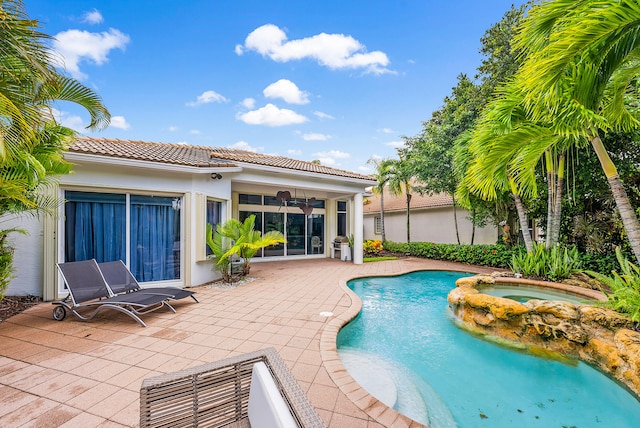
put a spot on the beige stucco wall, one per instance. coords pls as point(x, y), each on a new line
point(429, 225)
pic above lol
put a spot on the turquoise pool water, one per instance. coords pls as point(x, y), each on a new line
point(405, 349)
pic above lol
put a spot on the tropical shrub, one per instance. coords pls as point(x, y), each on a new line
point(219, 245)
point(241, 239)
point(555, 263)
point(483, 255)
point(6, 259)
point(623, 294)
point(372, 246)
point(6, 263)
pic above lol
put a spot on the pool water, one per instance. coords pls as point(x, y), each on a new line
point(406, 339)
point(524, 293)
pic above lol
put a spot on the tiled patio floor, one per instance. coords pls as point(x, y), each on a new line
point(77, 374)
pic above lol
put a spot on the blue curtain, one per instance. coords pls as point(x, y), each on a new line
point(94, 227)
point(155, 238)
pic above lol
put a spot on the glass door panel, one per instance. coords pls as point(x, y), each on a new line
point(295, 234)
point(315, 234)
point(274, 221)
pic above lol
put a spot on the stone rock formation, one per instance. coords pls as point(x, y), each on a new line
point(598, 336)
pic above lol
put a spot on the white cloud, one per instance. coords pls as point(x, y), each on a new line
point(294, 152)
point(271, 115)
point(208, 97)
point(386, 130)
point(315, 137)
point(322, 115)
point(243, 145)
point(249, 103)
point(334, 51)
point(195, 132)
point(173, 128)
point(329, 158)
point(395, 144)
point(76, 47)
point(182, 143)
point(376, 157)
point(69, 120)
point(119, 122)
point(364, 169)
point(92, 17)
point(288, 91)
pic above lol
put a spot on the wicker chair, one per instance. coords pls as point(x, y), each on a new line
point(217, 394)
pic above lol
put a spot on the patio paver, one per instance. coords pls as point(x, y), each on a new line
point(77, 374)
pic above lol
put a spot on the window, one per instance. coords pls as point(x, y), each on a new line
point(342, 218)
point(213, 217)
point(103, 225)
point(377, 221)
point(249, 199)
point(304, 233)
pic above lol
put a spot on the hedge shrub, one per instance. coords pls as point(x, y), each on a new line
point(497, 255)
point(483, 255)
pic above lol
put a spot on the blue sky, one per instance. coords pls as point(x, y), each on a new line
point(338, 81)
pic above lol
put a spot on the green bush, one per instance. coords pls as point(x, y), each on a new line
point(624, 289)
point(6, 262)
point(484, 255)
point(555, 263)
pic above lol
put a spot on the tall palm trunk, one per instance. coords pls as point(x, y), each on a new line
point(551, 178)
point(627, 214)
point(522, 216)
point(473, 227)
point(557, 211)
point(384, 236)
point(455, 220)
point(408, 214)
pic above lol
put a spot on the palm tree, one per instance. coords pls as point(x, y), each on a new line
point(399, 177)
point(381, 175)
point(31, 144)
point(234, 237)
point(580, 72)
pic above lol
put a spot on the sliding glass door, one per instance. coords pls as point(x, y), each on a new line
point(102, 225)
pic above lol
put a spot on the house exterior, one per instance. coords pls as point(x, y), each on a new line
point(148, 204)
point(431, 220)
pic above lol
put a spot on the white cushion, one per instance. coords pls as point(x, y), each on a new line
point(267, 408)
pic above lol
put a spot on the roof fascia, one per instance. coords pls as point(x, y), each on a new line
point(108, 160)
point(306, 174)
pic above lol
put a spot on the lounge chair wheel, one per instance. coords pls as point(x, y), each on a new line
point(59, 313)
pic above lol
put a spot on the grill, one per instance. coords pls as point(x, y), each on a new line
point(335, 246)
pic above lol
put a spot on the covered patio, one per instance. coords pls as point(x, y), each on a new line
point(76, 374)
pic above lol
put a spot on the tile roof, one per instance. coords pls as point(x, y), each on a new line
point(198, 156)
point(399, 203)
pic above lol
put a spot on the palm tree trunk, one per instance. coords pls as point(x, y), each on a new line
point(455, 220)
point(473, 227)
point(408, 220)
point(524, 222)
point(627, 214)
point(557, 211)
point(384, 237)
point(550, 198)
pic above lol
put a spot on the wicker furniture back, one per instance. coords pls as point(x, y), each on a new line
point(217, 394)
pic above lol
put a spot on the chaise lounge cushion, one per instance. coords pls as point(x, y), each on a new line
point(267, 408)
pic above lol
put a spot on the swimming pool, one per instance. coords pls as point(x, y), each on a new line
point(405, 340)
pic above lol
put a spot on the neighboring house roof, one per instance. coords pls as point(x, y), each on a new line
point(399, 203)
point(198, 156)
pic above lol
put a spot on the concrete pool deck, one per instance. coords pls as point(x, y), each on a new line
point(88, 374)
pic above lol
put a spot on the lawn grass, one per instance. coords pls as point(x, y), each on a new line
point(378, 259)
